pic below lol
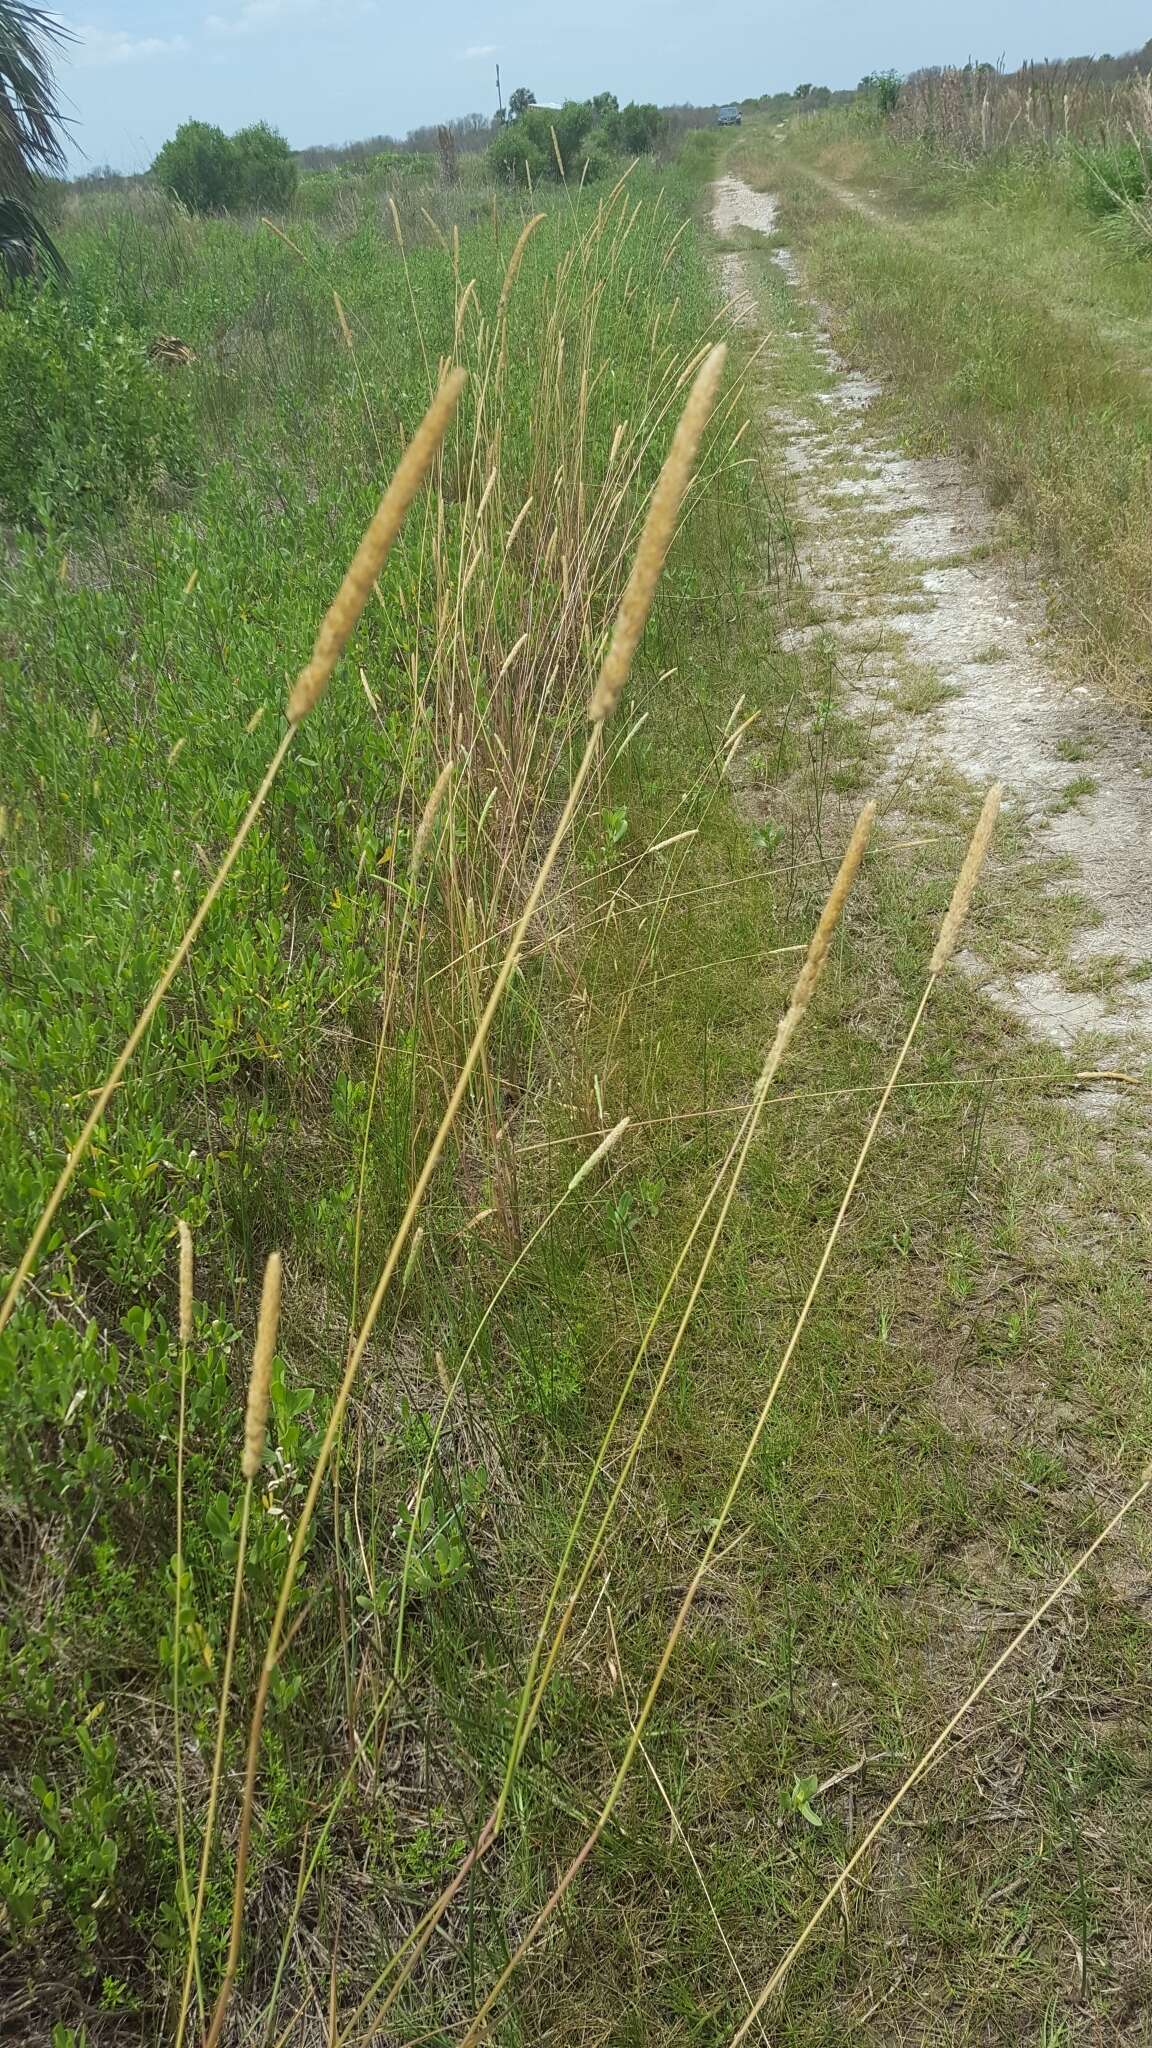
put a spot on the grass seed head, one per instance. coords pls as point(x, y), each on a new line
point(517, 257)
point(659, 527)
point(413, 1255)
point(186, 1281)
point(428, 817)
point(967, 879)
point(267, 1330)
point(814, 960)
point(605, 1146)
point(344, 612)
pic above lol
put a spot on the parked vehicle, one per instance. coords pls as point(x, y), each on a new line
point(728, 117)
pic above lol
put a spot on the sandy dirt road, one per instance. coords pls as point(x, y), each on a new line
point(899, 557)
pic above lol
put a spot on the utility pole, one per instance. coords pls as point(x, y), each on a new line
point(499, 95)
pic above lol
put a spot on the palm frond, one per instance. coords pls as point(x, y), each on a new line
point(30, 118)
point(26, 247)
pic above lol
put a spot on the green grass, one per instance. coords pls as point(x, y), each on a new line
point(968, 1395)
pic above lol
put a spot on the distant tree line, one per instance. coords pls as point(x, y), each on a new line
point(471, 133)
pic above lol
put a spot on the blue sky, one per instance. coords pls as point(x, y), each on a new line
point(332, 70)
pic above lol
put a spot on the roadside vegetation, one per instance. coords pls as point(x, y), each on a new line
point(211, 407)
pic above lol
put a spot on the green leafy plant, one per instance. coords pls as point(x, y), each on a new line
point(1114, 177)
point(89, 421)
point(797, 1804)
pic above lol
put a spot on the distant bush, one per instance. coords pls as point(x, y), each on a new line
point(592, 133)
point(88, 421)
point(263, 169)
point(211, 172)
point(1114, 177)
point(196, 165)
point(518, 156)
point(881, 91)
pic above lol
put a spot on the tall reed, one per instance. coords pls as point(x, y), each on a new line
point(653, 545)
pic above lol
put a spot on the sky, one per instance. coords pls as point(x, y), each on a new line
point(335, 70)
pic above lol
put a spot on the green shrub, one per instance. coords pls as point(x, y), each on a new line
point(211, 172)
point(518, 156)
point(641, 127)
point(87, 421)
point(588, 133)
point(1114, 177)
point(196, 165)
point(263, 169)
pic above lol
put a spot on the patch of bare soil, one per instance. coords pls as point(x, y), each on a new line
point(947, 659)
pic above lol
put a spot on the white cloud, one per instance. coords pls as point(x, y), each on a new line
point(478, 50)
point(94, 47)
point(255, 15)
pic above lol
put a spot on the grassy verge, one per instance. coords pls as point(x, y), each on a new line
point(1013, 329)
point(965, 1401)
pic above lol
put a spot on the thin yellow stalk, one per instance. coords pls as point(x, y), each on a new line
point(187, 1306)
point(361, 386)
point(255, 1421)
point(961, 899)
point(932, 1754)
